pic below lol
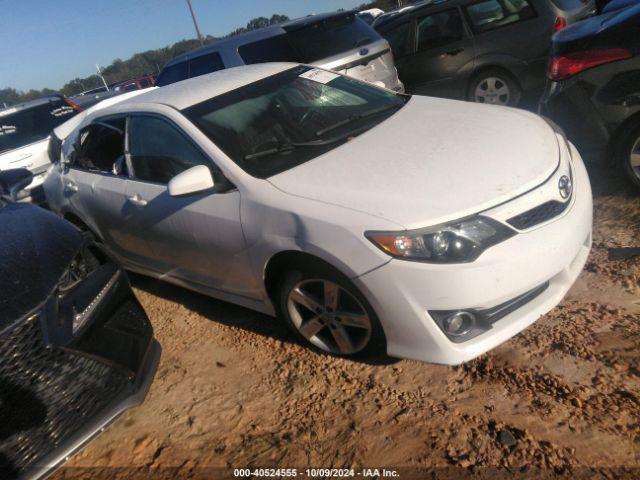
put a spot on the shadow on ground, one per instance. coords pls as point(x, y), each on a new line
point(234, 315)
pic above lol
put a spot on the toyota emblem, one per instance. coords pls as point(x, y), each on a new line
point(565, 186)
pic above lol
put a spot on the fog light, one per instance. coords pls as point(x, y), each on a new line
point(460, 323)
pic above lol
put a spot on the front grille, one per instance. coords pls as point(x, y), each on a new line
point(538, 215)
point(46, 395)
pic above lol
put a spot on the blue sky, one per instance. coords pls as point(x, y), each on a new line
point(45, 43)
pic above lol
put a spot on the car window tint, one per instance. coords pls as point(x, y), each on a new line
point(159, 151)
point(204, 64)
point(22, 127)
point(101, 147)
point(173, 74)
point(398, 38)
point(492, 14)
point(439, 29)
point(272, 49)
point(331, 36)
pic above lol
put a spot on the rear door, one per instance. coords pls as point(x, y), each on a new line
point(443, 54)
point(197, 238)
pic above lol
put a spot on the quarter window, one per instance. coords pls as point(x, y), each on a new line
point(439, 29)
point(204, 64)
point(101, 147)
point(492, 14)
point(159, 151)
point(398, 38)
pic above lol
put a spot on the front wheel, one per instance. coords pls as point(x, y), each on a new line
point(495, 88)
point(629, 155)
point(325, 310)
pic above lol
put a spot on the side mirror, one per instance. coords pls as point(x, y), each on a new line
point(13, 181)
point(196, 179)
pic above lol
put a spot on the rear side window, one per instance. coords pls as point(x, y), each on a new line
point(331, 37)
point(272, 49)
point(19, 128)
point(101, 147)
point(439, 29)
point(172, 74)
point(159, 151)
point(398, 38)
point(211, 62)
point(492, 14)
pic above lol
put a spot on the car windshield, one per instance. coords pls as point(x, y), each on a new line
point(284, 120)
point(20, 127)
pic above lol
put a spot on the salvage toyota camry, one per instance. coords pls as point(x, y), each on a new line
point(369, 220)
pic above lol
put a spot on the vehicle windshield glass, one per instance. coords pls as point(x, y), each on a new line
point(330, 37)
point(22, 127)
point(284, 120)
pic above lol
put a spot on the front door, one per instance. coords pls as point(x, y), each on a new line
point(197, 238)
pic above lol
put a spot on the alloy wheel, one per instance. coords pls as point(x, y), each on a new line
point(329, 316)
point(492, 90)
point(634, 158)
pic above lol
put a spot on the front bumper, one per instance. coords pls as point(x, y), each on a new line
point(59, 392)
point(403, 292)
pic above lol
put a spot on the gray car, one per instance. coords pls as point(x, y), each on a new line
point(339, 41)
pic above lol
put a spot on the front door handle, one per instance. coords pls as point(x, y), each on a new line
point(70, 187)
point(455, 51)
point(137, 200)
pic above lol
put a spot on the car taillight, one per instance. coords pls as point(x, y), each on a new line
point(559, 24)
point(73, 105)
point(565, 66)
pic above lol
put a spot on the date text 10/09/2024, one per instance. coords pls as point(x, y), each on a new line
point(316, 472)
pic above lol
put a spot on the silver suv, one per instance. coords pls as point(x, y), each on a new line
point(339, 41)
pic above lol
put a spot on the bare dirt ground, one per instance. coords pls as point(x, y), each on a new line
point(235, 390)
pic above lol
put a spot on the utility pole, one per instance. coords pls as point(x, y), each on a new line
point(100, 75)
point(195, 24)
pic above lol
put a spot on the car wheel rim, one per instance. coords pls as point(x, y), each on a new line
point(492, 90)
point(634, 158)
point(329, 316)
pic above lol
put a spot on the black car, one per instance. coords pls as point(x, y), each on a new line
point(76, 348)
point(488, 51)
point(593, 92)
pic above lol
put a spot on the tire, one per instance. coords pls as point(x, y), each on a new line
point(500, 88)
point(630, 146)
point(314, 312)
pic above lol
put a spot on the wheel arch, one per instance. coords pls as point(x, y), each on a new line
point(614, 145)
point(80, 224)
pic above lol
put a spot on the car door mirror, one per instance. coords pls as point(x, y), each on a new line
point(13, 181)
point(196, 179)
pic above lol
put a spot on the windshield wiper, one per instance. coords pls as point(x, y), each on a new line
point(288, 146)
point(353, 118)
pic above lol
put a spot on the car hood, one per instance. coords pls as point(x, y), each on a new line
point(433, 161)
point(35, 250)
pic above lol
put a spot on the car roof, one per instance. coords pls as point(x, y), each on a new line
point(183, 94)
point(30, 104)
point(402, 11)
point(232, 43)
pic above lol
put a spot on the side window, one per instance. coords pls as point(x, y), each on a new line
point(159, 151)
point(491, 14)
point(204, 64)
point(439, 29)
point(101, 147)
point(173, 74)
point(398, 38)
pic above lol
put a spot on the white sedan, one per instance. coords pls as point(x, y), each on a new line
point(370, 221)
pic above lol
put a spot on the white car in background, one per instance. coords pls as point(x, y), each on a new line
point(370, 220)
point(24, 132)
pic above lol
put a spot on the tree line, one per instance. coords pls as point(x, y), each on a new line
point(149, 62)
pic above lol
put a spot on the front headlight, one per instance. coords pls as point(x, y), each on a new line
point(457, 242)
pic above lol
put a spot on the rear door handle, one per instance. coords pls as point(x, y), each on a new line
point(70, 187)
point(137, 200)
point(455, 51)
